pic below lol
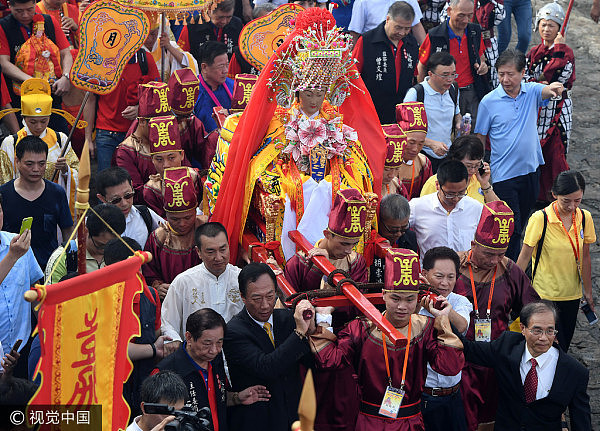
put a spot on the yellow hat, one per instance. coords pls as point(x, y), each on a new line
point(35, 98)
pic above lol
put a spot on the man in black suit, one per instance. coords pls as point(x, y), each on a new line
point(537, 380)
point(264, 346)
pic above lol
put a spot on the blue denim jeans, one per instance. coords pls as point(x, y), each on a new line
point(521, 9)
point(106, 143)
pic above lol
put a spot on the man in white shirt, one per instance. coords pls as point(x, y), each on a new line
point(441, 403)
point(449, 217)
point(537, 381)
point(165, 387)
point(212, 284)
point(368, 14)
point(113, 186)
point(439, 94)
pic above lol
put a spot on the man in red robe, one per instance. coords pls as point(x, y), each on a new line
point(172, 244)
point(133, 154)
point(165, 153)
point(342, 234)
point(199, 147)
point(385, 371)
point(496, 286)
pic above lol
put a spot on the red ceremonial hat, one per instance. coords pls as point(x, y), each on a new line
point(496, 225)
point(179, 192)
point(163, 135)
point(184, 87)
point(402, 270)
point(242, 89)
point(348, 214)
point(395, 139)
point(411, 117)
point(153, 100)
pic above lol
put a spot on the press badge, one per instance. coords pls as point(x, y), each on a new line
point(483, 329)
point(391, 402)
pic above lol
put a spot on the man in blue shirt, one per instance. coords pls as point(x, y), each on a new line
point(31, 195)
point(18, 271)
point(508, 115)
point(215, 87)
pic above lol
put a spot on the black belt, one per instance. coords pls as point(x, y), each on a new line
point(467, 87)
point(404, 412)
point(442, 392)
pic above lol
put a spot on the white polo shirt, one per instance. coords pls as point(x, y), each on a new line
point(136, 228)
point(368, 14)
point(436, 227)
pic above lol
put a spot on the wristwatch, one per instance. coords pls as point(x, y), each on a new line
point(66, 75)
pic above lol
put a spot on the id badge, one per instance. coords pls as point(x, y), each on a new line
point(391, 402)
point(483, 329)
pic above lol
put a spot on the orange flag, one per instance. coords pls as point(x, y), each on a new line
point(85, 324)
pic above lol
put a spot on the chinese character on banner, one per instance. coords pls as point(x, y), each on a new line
point(110, 35)
point(85, 324)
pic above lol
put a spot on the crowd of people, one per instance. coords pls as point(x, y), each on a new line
point(475, 239)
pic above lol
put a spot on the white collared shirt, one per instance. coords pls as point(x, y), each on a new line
point(262, 324)
point(436, 227)
point(463, 307)
point(135, 226)
point(133, 426)
point(198, 288)
point(546, 367)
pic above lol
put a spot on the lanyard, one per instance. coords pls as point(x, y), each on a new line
point(387, 362)
point(575, 250)
point(489, 304)
point(211, 93)
point(212, 395)
point(412, 180)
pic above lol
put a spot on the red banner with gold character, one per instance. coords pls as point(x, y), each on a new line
point(85, 324)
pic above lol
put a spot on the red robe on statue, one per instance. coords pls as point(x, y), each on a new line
point(360, 344)
point(171, 255)
point(512, 290)
point(333, 413)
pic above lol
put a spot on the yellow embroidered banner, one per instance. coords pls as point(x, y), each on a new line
point(110, 35)
point(85, 324)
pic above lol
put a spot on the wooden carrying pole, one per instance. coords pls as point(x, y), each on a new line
point(81, 206)
point(349, 290)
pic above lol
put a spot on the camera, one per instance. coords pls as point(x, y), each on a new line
point(185, 420)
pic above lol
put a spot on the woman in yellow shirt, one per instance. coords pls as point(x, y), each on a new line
point(468, 150)
point(564, 262)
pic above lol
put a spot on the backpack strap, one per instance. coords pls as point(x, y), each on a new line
point(540, 243)
point(142, 61)
point(454, 96)
point(420, 92)
point(146, 216)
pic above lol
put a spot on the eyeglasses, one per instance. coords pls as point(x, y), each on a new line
point(396, 230)
point(449, 77)
point(118, 199)
point(98, 246)
point(539, 331)
point(474, 166)
point(459, 195)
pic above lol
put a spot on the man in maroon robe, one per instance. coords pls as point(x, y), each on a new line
point(199, 147)
point(380, 365)
point(346, 225)
point(165, 152)
point(172, 245)
point(133, 154)
point(485, 272)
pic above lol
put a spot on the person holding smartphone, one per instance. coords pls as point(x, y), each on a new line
point(563, 266)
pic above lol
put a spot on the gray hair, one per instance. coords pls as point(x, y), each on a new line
point(402, 10)
point(263, 9)
point(538, 307)
point(454, 3)
point(395, 207)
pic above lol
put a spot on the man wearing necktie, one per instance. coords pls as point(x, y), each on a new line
point(537, 381)
point(266, 346)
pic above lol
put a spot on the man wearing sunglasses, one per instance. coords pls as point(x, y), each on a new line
point(114, 186)
point(449, 217)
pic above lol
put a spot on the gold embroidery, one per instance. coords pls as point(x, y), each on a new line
point(163, 133)
point(405, 271)
point(503, 236)
point(355, 225)
point(189, 94)
point(163, 100)
point(417, 116)
point(247, 92)
point(177, 189)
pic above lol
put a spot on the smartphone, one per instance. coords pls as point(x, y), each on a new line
point(16, 346)
point(589, 314)
point(481, 169)
point(26, 224)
